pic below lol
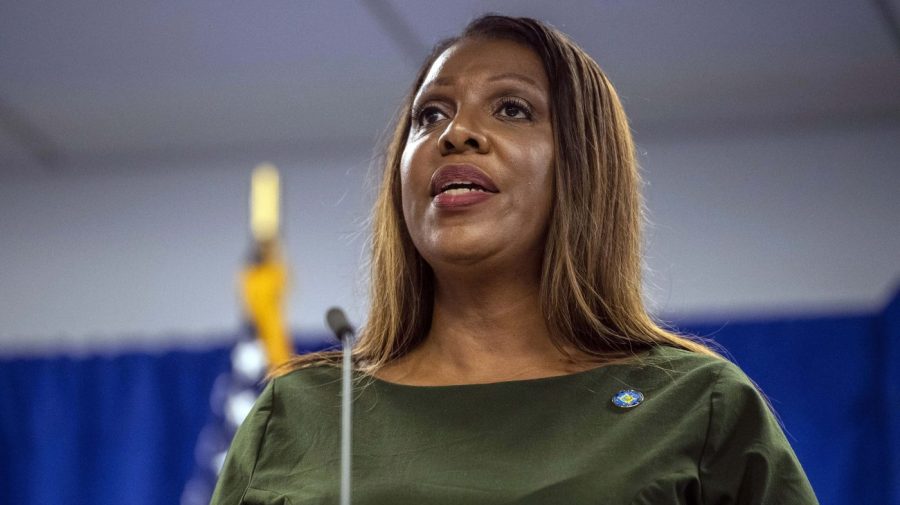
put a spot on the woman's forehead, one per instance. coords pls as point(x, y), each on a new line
point(486, 60)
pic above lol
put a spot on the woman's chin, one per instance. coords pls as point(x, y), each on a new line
point(458, 257)
point(460, 252)
point(481, 260)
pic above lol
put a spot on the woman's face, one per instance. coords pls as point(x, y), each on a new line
point(477, 171)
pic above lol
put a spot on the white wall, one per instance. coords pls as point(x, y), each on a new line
point(774, 222)
point(758, 223)
point(131, 256)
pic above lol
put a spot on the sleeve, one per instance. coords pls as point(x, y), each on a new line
point(234, 479)
point(746, 459)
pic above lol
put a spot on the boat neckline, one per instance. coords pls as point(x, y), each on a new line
point(637, 359)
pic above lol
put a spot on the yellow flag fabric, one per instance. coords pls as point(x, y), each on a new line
point(263, 288)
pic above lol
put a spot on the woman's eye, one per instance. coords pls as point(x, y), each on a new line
point(514, 109)
point(428, 115)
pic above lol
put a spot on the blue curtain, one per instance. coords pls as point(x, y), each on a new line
point(117, 430)
point(122, 429)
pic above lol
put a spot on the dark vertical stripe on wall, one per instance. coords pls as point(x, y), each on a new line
point(890, 360)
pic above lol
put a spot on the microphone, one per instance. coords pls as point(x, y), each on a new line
point(339, 324)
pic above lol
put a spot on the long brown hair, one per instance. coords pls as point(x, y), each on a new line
point(591, 274)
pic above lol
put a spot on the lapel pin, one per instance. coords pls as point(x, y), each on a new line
point(628, 398)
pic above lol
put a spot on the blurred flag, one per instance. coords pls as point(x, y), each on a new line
point(264, 344)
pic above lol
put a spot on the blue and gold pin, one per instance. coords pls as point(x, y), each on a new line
point(628, 398)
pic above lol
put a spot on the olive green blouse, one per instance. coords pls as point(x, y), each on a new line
point(701, 435)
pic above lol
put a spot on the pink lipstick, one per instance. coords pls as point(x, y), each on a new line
point(454, 186)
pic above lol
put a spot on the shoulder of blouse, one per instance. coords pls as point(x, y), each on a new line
point(308, 376)
point(240, 463)
point(746, 456)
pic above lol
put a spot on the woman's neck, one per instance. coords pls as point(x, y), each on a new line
point(483, 330)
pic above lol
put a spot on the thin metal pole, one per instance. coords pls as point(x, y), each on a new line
point(346, 419)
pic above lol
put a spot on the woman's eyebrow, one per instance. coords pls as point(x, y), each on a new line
point(441, 81)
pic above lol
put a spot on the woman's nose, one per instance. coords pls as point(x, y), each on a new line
point(462, 135)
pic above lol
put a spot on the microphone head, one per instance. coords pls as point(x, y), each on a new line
point(338, 323)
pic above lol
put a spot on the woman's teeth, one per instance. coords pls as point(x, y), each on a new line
point(459, 191)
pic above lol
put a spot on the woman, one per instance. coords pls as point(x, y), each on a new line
point(507, 356)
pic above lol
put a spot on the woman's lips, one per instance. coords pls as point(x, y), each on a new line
point(454, 186)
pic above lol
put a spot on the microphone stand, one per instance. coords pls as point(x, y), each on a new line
point(344, 332)
point(346, 418)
